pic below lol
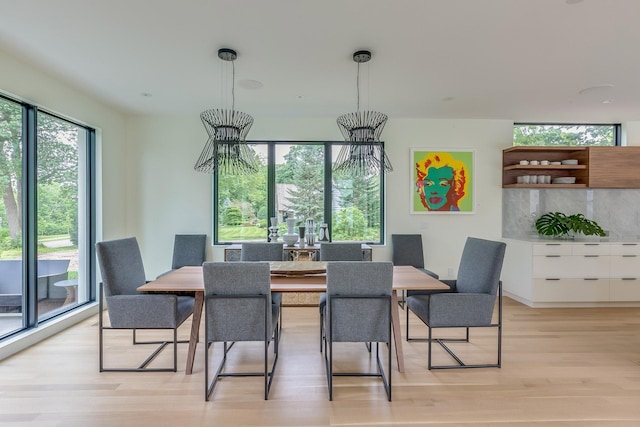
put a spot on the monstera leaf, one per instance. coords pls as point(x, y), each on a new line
point(552, 224)
point(559, 224)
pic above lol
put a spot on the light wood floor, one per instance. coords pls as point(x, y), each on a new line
point(569, 367)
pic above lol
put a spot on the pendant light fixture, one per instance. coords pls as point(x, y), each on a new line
point(364, 155)
point(226, 150)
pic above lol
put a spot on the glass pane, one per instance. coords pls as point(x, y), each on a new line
point(570, 134)
point(355, 207)
point(11, 287)
point(299, 184)
point(61, 282)
point(242, 203)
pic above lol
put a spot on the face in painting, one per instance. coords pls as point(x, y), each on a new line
point(437, 185)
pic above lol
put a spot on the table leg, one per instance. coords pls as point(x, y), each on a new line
point(195, 331)
point(71, 295)
point(397, 330)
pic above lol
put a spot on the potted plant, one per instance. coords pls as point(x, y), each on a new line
point(557, 224)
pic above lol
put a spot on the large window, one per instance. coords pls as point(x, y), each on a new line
point(296, 179)
point(46, 180)
point(526, 134)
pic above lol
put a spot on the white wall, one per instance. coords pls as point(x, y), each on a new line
point(35, 86)
point(167, 196)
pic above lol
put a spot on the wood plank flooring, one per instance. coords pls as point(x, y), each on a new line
point(561, 367)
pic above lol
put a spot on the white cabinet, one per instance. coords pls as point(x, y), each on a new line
point(625, 272)
point(572, 273)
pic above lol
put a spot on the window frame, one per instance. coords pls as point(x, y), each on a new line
point(271, 185)
point(30, 113)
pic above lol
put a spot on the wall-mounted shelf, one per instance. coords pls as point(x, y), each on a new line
point(512, 169)
point(598, 167)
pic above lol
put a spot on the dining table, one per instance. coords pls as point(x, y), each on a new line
point(290, 276)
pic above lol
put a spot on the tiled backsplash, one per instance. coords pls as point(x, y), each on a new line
point(616, 211)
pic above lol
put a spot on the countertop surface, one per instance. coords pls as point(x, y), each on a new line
point(583, 239)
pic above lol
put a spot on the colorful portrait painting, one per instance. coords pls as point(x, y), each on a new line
point(442, 181)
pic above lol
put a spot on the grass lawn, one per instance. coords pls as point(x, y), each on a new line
point(233, 233)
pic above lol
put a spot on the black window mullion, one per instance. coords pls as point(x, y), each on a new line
point(328, 186)
point(29, 215)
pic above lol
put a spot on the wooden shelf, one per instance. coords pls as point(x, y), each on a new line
point(544, 185)
point(512, 169)
point(545, 167)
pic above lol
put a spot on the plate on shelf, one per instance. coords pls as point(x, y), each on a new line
point(555, 163)
point(570, 162)
point(564, 180)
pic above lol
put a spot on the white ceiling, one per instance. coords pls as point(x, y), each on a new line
point(524, 60)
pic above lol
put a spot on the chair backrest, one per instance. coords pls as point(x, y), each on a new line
point(262, 251)
point(340, 251)
point(237, 319)
point(407, 250)
point(359, 320)
point(188, 249)
point(121, 266)
point(480, 266)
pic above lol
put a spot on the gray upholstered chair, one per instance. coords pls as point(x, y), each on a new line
point(358, 309)
point(265, 251)
point(336, 251)
point(122, 273)
point(471, 302)
point(238, 308)
point(407, 249)
point(262, 251)
point(188, 250)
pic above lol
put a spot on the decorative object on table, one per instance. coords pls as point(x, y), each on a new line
point(226, 150)
point(290, 237)
point(323, 233)
point(273, 230)
point(557, 224)
point(443, 181)
point(310, 232)
point(301, 233)
point(364, 155)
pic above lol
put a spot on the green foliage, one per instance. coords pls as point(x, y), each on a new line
point(304, 167)
point(574, 135)
point(560, 225)
point(350, 224)
point(233, 216)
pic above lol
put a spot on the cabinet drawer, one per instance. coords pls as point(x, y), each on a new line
point(570, 290)
point(624, 266)
point(590, 249)
point(624, 290)
point(552, 249)
point(579, 267)
point(625, 249)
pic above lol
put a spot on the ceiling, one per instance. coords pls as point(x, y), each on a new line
point(521, 60)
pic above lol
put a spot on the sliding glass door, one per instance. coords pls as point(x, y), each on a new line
point(46, 179)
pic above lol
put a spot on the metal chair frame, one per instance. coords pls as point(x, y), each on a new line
point(443, 341)
point(268, 337)
point(328, 348)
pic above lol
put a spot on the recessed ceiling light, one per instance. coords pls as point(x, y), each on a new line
point(250, 84)
point(607, 101)
point(597, 88)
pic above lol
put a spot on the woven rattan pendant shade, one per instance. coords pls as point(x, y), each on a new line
point(226, 150)
point(364, 155)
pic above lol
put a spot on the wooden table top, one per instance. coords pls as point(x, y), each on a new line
point(190, 279)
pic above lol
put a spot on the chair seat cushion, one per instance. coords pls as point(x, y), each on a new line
point(453, 309)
